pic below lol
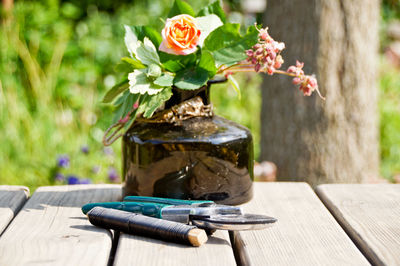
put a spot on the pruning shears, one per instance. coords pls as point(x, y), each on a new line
point(204, 214)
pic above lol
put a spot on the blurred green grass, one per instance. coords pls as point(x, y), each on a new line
point(56, 62)
point(389, 110)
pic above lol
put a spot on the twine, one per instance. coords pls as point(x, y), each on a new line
point(137, 224)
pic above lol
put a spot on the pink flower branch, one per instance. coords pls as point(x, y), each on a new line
point(265, 57)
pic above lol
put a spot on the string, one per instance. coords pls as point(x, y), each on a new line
point(133, 223)
point(108, 140)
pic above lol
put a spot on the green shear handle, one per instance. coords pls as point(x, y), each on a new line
point(149, 206)
point(165, 200)
point(145, 208)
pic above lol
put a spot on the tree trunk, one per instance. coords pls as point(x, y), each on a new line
point(310, 139)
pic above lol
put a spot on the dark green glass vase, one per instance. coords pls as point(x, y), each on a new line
point(208, 158)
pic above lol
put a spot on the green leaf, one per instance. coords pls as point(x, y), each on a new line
point(207, 63)
point(122, 67)
point(206, 25)
point(213, 8)
point(140, 45)
point(154, 71)
point(148, 104)
point(128, 64)
point(180, 7)
point(130, 122)
point(134, 63)
point(121, 99)
point(165, 80)
point(143, 101)
point(223, 37)
point(173, 66)
point(156, 101)
point(130, 101)
point(146, 52)
point(191, 79)
point(175, 63)
point(126, 105)
point(146, 31)
point(235, 85)
point(228, 46)
point(140, 83)
point(115, 91)
point(131, 40)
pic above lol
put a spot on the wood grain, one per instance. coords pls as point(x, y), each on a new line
point(51, 229)
point(136, 250)
point(305, 233)
point(370, 213)
point(309, 139)
point(11, 200)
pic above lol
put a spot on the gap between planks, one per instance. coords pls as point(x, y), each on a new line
point(51, 228)
point(369, 213)
point(305, 233)
point(12, 198)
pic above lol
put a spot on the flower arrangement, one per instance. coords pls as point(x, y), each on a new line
point(191, 50)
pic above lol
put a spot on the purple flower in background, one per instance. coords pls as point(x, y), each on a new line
point(112, 174)
point(59, 177)
point(96, 169)
point(108, 151)
point(72, 180)
point(63, 161)
point(85, 181)
point(85, 149)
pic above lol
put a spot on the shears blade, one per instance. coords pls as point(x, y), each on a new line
point(233, 222)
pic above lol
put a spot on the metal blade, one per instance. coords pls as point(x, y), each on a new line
point(234, 222)
point(183, 213)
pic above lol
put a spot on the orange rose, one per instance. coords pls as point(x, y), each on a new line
point(180, 35)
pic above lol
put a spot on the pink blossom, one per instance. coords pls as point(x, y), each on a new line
point(124, 120)
point(278, 62)
point(299, 64)
point(296, 81)
point(297, 70)
point(309, 85)
point(263, 34)
point(291, 69)
point(265, 55)
point(228, 73)
point(270, 70)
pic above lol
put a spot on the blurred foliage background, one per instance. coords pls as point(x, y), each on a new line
point(56, 63)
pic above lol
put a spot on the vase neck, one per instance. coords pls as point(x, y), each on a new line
point(179, 96)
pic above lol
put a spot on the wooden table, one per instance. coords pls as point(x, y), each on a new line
point(352, 225)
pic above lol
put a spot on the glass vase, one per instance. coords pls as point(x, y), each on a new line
point(207, 158)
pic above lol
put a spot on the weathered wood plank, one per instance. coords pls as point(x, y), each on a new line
point(11, 200)
point(51, 229)
point(305, 234)
point(370, 214)
point(136, 250)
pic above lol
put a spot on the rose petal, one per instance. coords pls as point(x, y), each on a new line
point(180, 35)
point(164, 48)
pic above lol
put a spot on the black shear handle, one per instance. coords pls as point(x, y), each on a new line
point(137, 224)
